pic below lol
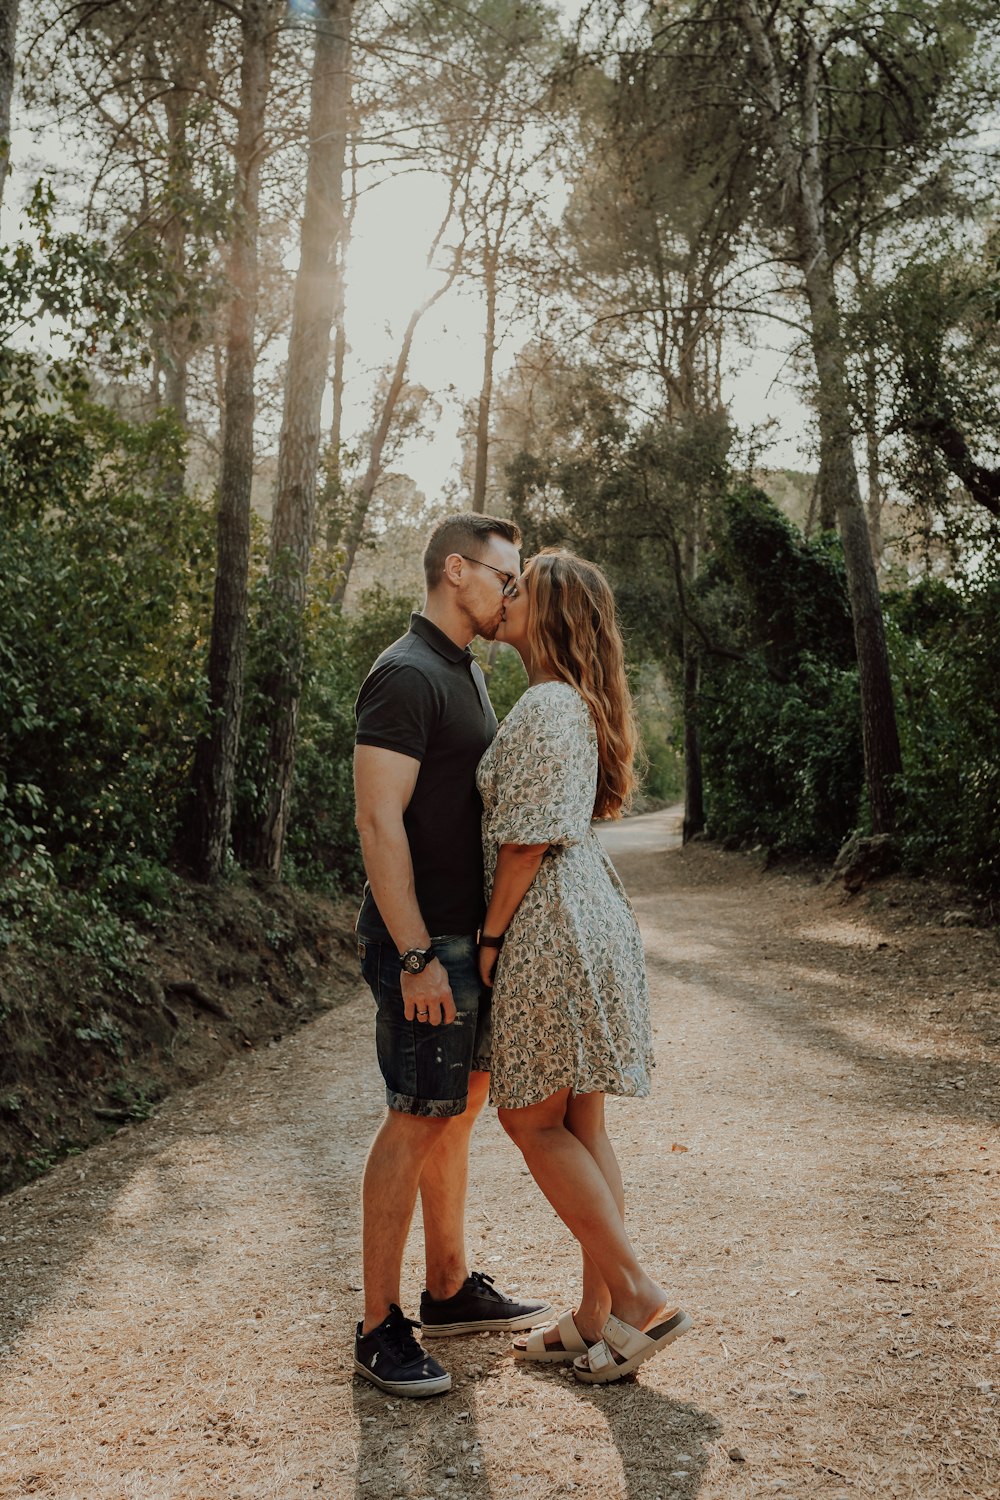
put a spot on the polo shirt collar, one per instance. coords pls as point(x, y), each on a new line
point(441, 643)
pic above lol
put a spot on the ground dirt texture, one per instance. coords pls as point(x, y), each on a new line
point(815, 1176)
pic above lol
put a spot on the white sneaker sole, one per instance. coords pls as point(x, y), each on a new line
point(414, 1388)
point(486, 1325)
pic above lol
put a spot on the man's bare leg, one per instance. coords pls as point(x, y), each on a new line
point(443, 1185)
point(393, 1171)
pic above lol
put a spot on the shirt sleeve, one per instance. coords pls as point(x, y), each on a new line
point(397, 709)
point(544, 791)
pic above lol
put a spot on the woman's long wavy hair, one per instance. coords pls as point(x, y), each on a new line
point(573, 633)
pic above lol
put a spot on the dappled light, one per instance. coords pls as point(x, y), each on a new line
point(682, 318)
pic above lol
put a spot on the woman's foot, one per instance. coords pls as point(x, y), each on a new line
point(625, 1347)
point(564, 1337)
point(648, 1307)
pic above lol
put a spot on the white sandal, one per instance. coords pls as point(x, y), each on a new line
point(623, 1348)
point(535, 1348)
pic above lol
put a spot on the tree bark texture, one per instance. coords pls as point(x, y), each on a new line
point(293, 519)
point(216, 755)
point(801, 178)
point(486, 390)
point(694, 788)
point(8, 45)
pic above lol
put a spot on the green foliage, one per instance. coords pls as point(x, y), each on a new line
point(506, 679)
point(782, 759)
point(943, 647)
point(104, 596)
point(780, 720)
point(661, 762)
point(321, 847)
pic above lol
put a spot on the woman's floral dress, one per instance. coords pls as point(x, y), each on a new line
point(570, 1002)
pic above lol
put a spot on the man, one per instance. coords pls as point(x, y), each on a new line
point(424, 721)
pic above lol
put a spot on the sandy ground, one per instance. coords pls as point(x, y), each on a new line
point(815, 1175)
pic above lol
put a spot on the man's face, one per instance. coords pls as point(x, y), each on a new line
point(482, 589)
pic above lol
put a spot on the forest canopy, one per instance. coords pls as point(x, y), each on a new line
point(703, 289)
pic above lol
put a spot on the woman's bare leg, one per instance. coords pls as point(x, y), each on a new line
point(575, 1185)
point(585, 1120)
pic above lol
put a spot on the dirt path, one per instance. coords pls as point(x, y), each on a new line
point(176, 1304)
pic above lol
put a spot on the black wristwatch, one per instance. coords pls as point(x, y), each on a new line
point(415, 960)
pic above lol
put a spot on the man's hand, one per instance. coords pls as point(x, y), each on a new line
point(427, 997)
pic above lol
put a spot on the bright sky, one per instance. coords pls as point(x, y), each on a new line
point(387, 277)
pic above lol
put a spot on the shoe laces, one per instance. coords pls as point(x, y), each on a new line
point(399, 1335)
point(484, 1284)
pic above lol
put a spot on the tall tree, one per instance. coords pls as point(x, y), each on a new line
point(801, 64)
point(216, 754)
point(657, 222)
point(8, 59)
point(306, 376)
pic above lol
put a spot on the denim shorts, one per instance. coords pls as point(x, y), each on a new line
point(426, 1068)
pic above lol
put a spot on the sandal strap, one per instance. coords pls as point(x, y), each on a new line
point(597, 1357)
point(535, 1342)
point(625, 1340)
point(569, 1335)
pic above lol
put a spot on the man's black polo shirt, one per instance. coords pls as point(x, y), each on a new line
point(426, 697)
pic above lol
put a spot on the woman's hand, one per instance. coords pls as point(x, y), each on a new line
point(487, 964)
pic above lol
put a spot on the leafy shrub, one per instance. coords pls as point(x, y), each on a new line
point(321, 848)
point(104, 599)
point(780, 719)
point(943, 650)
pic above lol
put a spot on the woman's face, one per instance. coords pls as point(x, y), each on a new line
point(513, 630)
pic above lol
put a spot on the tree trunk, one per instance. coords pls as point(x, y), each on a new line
point(177, 332)
point(8, 45)
point(215, 758)
point(298, 450)
point(486, 390)
point(333, 482)
point(694, 791)
point(800, 175)
point(354, 530)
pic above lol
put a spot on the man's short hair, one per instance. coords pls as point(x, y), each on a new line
point(469, 533)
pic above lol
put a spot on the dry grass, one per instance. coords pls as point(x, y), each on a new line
point(176, 1305)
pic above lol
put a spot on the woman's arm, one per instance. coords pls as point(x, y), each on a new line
point(517, 866)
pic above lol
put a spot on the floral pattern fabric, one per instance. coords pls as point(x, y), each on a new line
point(570, 1000)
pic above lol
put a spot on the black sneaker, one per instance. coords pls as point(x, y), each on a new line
point(477, 1307)
point(391, 1358)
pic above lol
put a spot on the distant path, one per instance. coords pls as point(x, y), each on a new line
point(176, 1305)
point(645, 834)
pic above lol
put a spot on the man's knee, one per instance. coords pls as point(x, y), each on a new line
point(412, 1134)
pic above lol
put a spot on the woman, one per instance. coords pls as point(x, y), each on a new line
point(561, 948)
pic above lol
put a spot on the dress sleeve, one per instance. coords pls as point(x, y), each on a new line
point(396, 710)
point(541, 776)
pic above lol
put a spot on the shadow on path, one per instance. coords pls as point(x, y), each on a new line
point(661, 1442)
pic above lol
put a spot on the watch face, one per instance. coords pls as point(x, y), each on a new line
point(414, 962)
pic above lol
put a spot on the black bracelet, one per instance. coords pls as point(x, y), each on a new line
point(490, 942)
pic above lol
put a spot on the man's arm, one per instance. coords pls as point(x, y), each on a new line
point(383, 785)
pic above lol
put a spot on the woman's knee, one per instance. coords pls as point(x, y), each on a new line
point(525, 1125)
point(585, 1119)
point(512, 1122)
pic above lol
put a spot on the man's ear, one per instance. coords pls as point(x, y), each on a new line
point(452, 570)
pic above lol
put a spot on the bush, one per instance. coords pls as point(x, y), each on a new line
point(943, 649)
point(780, 725)
point(323, 849)
point(104, 601)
